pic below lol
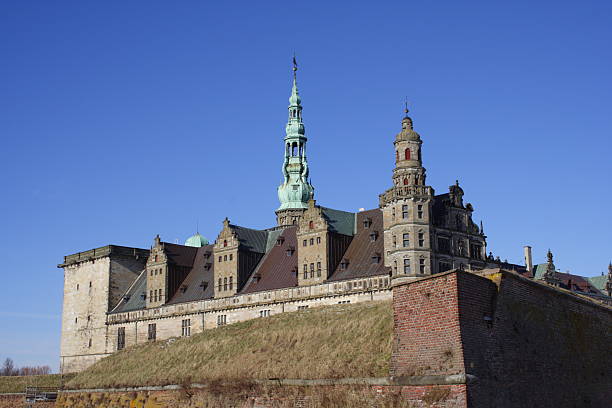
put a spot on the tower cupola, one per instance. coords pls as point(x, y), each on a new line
point(295, 189)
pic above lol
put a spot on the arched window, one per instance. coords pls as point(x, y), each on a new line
point(405, 181)
point(224, 283)
point(231, 283)
point(219, 284)
point(397, 155)
point(294, 149)
point(407, 154)
point(225, 242)
point(311, 225)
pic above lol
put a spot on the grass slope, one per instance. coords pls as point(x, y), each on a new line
point(326, 342)
point(18, 383)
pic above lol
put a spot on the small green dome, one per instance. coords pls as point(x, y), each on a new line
point(196, 240)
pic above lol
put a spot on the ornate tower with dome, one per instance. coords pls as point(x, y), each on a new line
point(295, 190)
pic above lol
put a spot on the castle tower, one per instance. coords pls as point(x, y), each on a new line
point(295, 190)
point(407, 208)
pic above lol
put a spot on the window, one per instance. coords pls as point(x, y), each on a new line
point(404, 211)
point(407, 266)
point(444, 245)
point(318, 240)
point(160, 295)
point(89, 343)
point(344, 302)
point(394, 268)
point(476, 251)
point(225, 242)
point(150, 296)
point(407, 154)
point(304, 243)
point(406, 240)
point(311, 241)
point(303, 307)
point(393, 214)
point(264, 313)
point(77, 286)
point(219, 284)
point(318, 269)
point(420, 211)
point(220, 258)
point(397, 155)
point(231, 283)
point(224, 283)
point(394, 241)
point(421, 239)
point(367, 223)
point(231, 257)
point(76, 319)
point(305, 271)
point(422, 265)
point(312, 270)
point(373, 236)
point(186, 328)
point(156, 258)
point(151, 272)
point(344, 264)
point(152, 332)
point(224, 258)
point(221, 320)
point(405, 181)
point(376, 258)
point(120, 338)
point(311, 224)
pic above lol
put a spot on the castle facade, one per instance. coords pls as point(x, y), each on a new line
point(117, 296)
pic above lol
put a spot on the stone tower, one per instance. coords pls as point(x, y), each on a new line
point(407, 208)
point(295, 190)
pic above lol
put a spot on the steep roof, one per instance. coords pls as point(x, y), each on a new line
point(135, 297)
point(570, 281)
point(251, 239)
point(180, 255)
point(363, 248)
point(278, 267)
point(199, 283)
point(342, 222)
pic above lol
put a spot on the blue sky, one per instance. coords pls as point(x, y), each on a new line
point(122, 120)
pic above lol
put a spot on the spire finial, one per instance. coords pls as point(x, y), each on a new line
point(406, 110)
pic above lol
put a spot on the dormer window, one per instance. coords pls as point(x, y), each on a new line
point(183, 288)
point(279, 241)
point(256, 278)
point(207, 254)
point(203, 285)
point(376, 258)
point(207, 265)
point(344, 264)
point(367, 223)
point(373, 236)
point(290, 251)
point(143, 295)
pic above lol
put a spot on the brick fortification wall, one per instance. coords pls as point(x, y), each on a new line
point(516, 342)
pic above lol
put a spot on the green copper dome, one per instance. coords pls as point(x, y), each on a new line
point(196, 240)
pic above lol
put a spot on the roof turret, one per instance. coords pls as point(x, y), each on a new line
point(196, 240)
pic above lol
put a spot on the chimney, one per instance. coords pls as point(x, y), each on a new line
point(528, 259)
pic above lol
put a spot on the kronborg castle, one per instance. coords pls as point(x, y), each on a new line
point(115, 296)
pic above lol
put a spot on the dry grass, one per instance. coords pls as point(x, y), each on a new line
point(327, 342)
point(18, 383)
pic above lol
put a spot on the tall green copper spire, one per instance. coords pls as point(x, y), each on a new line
point(295, 191)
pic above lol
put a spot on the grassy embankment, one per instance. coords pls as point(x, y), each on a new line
point(327, 342)
point(18, 383)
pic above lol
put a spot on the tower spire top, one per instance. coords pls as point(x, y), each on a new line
point(406, 110)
